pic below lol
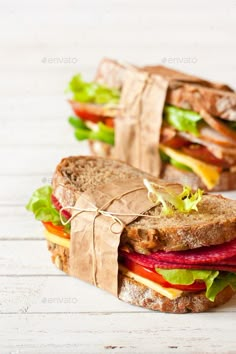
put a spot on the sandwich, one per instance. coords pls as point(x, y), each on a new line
point(181, 260)
point(197, 139)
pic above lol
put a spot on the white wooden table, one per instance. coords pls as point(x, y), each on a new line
point(41, 309)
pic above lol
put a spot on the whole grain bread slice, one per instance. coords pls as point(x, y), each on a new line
point(214, 223)
point(184, 90)
point(138, 294)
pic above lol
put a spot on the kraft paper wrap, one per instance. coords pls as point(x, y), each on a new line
point(138, 123)
point(94, 245)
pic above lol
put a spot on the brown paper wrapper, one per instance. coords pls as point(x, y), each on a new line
point(139, 121)
point(94, 245)
point(112, 73)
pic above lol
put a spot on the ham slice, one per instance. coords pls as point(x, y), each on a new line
point(211, 135)
point(219, 126)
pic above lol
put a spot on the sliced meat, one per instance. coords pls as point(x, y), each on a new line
point(170, 138)
point(229, 261)
point(58, 206)
point(218, 126)
point(202, 153)
point(151, 262)
point(167, 133)
point(202, 255)
point(220, 267)
point(229, 154)
point(211, 135)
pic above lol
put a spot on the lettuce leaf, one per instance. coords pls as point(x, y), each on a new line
point(215, 281)
point(40, 205)
point(182, 119)
point(219, 283)
point(92, 92)
point(179, 165)
point(83, 132)
point(171, 199)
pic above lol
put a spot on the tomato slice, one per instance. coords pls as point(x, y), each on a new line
point(92, 112)
point(170, 138)
point(56, 229)
point(157, 278)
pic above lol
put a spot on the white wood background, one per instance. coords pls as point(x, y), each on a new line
point(41, 310)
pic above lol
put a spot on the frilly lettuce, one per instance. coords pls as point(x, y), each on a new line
point(172, 198)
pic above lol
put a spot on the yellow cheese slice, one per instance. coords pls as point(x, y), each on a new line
point(170, 293)
point(64, 242)
point(209, 174)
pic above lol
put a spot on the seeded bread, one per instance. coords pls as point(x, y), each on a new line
point(184, 90)
point(170, 173)
point(137, 294)
point(214, 223)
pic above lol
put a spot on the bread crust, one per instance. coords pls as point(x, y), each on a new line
point(215, 222)
point(185, 91)
point(137, 294)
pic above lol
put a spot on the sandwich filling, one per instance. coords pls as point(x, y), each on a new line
point(209, 269)
point(190, 141)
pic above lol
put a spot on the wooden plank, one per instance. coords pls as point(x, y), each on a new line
point(26, 258)
point(33, 107)
point(54, 131)
point(118, 333)
point(17, 223)
point(53, 294)
point(20, 189)
point(39, 160)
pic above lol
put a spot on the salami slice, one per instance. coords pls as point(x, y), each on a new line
point(150, 262)
point(220, 267)
point(145, 261)
point(229, 261)
point(58, 206)
point(202, 255)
